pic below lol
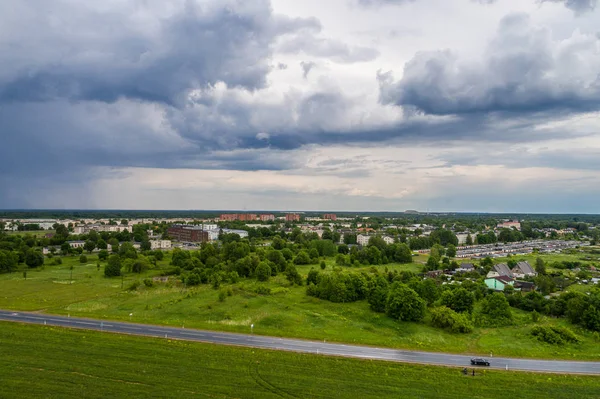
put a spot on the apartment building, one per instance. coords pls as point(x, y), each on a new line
point(330, 216)
point(188, 233)
point(292, 217)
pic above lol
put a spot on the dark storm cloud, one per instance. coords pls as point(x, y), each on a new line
point(523, 70)
point(113, 55)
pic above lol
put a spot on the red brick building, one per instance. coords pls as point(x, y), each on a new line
point(292, 217)
point(330, 216)
point(244, 217)
point(187, 233)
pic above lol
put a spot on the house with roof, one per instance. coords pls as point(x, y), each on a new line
point(466, 267)
point(524, 286)
point(523, 269)
point(499, 282)
point(501, 269)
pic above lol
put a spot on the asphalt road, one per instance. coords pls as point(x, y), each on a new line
point(296, 345)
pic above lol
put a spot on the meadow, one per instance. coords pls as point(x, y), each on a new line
point(287, 311)
point(52, 362)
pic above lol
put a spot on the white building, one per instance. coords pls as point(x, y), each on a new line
point(76, 244)
point(462, 238)
point(388, 240)
point(160, 244)
point(362, 239)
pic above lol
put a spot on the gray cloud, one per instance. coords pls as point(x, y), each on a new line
point(307, 66)
point(334, 50)
point(578, 6)
point(375, 3)
point(107, 55)
point(523, 70)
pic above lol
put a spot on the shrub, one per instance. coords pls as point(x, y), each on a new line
point(262, 290)
point(57, 261)
point(403, 303)
point(554, 335)
point(443, 317)
point(263, 271)
point(133, 286)
point(222, 296)
point(83, 259)
point(495, 311)
point(148, 282)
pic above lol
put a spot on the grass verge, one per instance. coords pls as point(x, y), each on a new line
point(53, 362)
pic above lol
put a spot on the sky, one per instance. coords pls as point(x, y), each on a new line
point(348, 105)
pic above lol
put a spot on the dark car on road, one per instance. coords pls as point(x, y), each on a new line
point(479, 362)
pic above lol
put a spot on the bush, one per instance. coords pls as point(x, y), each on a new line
point(148, 282)
point(495, 311)
point(222, 296)
point(262, 290)
point(443, 317)
point(83, 259)
point(263, 271)
point(403, 303)
point(57, 261)
point(554, 335)
point(133, 286)
point(113, 267)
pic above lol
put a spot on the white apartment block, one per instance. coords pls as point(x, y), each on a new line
point(160, 244)
point(388, 240)
point(362, 239)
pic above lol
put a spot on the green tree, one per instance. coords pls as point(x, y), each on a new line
point(113, 267)
point(101, 244)
point(378, 242)
point(292, 275)
point(378, 295)
point(404, 304)
point(145, 245)
point(496, 310)
point(103, 254)
point(540, 266)
point(34, 258)
point(83, 259)
point(460, 300)
point(469, 240)
point(591, 318)
point(403, 254)
point(432, 263)
point(451, 251)
point(302, 258)
point(114, 244)
point(89, 246)
point(65, 248)
point(8, 261)
point(263, 271)
point(545, 284)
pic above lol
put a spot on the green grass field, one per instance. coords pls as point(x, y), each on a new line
point(52, 362)
point(288, 312)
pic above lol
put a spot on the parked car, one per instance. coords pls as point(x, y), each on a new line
point(479, 362)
